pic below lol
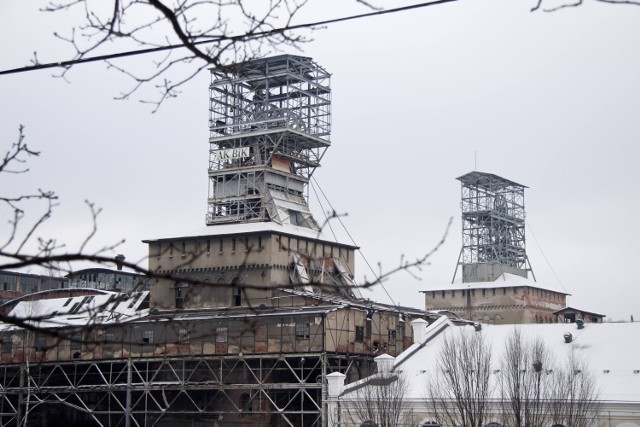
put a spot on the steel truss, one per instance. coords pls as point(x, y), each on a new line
point(285, 390)
point(493, 227)
point(270, 123)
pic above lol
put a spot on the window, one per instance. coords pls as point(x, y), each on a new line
point(108, 339)
point(392, 337)
point(453, 294)
point(494, 291)
point(245, 402)
point(433, 295)
point(76, 342)
point(7, 345)
point(443, 295)
point(147, 337)
point(221, 247)
point(41, 343)
point(208, 247)
point(221, 334)
point(233, 245)
point(178, 296)
point(302, 330)
point(504, 291)
point(483, 292)
point(170, 249)
point(237, 297)
point(183, 335)
point(359, 333)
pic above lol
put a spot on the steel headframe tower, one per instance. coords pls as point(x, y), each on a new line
point(270, 122)
point(493, 228)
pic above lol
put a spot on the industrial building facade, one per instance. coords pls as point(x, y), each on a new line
point(243, 320)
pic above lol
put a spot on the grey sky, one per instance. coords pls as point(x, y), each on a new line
point(547, 100)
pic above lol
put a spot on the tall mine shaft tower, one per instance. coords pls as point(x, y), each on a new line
point(270, 122)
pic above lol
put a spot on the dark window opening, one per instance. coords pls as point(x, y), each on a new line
point(392, 337)
point(237, 297)
point(245, 403)
point(359, 333)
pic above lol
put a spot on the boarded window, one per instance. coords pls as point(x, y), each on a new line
point(108, 340)
point(302, 330)
point(221, 334)
point(76, 342)
point(147, 337)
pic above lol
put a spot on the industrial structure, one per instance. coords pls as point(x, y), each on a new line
point(244, 318)
point(495, 286)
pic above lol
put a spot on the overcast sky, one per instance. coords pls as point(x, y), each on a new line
point(550, 101)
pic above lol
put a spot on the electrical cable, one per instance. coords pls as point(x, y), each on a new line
point(545, 257)
point(218, 39)
point(354, 244)
point(324, 212)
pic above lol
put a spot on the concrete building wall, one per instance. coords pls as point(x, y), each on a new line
point(242, 270)
point(500, 305)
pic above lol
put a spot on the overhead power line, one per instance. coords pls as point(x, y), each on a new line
point(250, 36)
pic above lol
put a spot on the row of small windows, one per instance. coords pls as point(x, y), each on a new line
point(205, 246)
point(245, 244)
point(109, 340)
point(484, 292)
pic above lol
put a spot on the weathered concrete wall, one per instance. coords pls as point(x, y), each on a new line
point(505, 305)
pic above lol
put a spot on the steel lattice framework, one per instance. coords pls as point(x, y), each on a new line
point(283, 390)
point(270, 122)
point(493, 220)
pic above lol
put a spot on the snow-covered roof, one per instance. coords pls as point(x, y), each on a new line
point(254, 227)
point(103, 308)
point(610, 351)
point(505, 280)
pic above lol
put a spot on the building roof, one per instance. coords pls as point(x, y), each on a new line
point(488, 180)
point(609, 349)
point(253, 228)
point(506, 280)
point(99, 309)
point(364, 304)
point(577, 310)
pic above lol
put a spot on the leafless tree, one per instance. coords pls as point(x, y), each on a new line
point(573, 394)
point(459, 392)
point(537, 390)
point(555, 5)
point(382, 401)
point(524, 385)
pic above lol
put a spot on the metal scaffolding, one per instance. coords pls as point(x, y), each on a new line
point(277, 390)
point(493, 227)
point(270, 122)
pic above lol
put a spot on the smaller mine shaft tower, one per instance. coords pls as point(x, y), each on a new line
point(493, 227)
point(270, 122)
